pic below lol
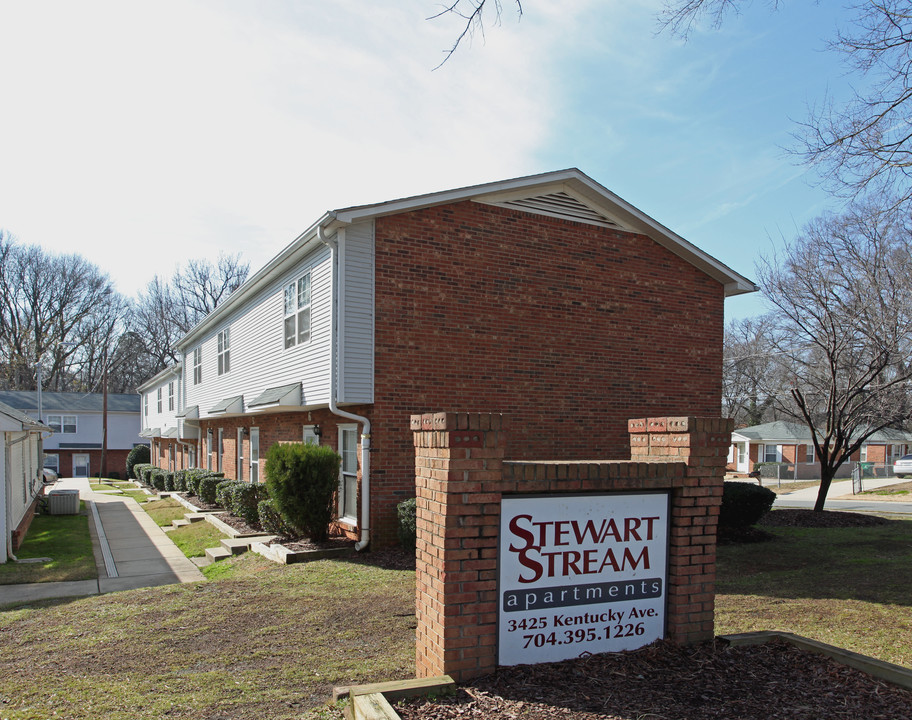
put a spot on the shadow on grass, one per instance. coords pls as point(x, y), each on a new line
point(870, 564)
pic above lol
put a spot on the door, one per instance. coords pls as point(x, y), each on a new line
point(80, 466)
point(743, 461)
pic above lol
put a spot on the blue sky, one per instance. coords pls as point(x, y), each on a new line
point(142, 135)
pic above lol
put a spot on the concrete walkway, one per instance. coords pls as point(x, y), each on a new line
point(835, 500)
point(131, 551)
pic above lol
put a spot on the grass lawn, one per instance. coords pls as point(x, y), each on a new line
point(263, 641)
point(845, 586)
point(163, 512)
point(195, 538)
point(63, 538)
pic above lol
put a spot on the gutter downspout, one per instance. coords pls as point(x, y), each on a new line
point(332, 244)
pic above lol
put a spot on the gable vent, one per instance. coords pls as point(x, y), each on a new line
point(560, 205)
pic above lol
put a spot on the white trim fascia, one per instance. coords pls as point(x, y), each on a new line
point(170, 371)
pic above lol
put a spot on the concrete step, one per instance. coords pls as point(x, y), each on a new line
point(179, 523)
point(237, 546)
point(201, 562)
point(217, 553)
point(195, 517)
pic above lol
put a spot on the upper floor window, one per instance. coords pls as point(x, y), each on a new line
point(224, 362)
point(62, 424)
point(159, 400)
point(145, 405)
point(171, 396)
point(197, 365)
point(297, 311)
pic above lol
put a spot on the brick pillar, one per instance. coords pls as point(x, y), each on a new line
point(456, 456)
point(703, 444)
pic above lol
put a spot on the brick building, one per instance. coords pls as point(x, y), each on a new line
point(546, 298)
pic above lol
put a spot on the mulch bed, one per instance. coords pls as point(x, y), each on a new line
point(664, 681)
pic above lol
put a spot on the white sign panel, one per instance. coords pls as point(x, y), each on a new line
point(580, 574)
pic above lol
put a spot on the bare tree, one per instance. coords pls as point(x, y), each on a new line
point(60, 310)
point(841, 293)
point(168, 310)
point(863, 145)
point(751, 377)
point(472, 12)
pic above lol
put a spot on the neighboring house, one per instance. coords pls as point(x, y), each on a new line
point(20, 474)
point(77, 421)
point(791, 445)
point(546, 298)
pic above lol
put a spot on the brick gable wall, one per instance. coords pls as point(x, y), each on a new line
point(569, 329)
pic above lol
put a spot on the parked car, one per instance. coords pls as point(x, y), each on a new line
point(903, 466)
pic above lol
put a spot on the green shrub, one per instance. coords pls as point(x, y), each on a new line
point(146, 474)
point(138, 469)
point(302, 480)
point(743, 504)
point(244, 499)
point(271, 520)
point(157, 479)
point(114, 475)
point(408, 530)
point(139, 454)
point(207, 486)
point(223, 492)
point(180, 480)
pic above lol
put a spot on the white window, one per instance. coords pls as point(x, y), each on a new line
point(171, 396)
point(209, 450)
point(224, 356)
point(254, 455)
point(809, 457)
point(771, 453)
point(159, 401)
point(348, 477)
point(220, 449)
point(197, 365)
point(239, 461)
point(52, 462)
point(297, 311)
point(145, 406)
point(65, 424)
point(310, 435)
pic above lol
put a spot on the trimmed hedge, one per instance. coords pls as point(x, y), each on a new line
point(139, 469)
point(244, 500)
point(139, 454)
point(271, 519)
point(207, 487)
point(223, 492)
point(408, 528)
point(743, 504)
point(302, 481)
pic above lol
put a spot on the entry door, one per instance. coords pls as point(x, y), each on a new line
point(80, 466)
point(743, 460)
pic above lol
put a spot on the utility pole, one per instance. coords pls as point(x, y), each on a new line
point(104, 417)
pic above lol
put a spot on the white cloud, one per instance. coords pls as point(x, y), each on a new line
point(144, 135)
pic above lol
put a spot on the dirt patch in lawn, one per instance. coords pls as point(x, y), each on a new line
point(700, 682)
point(901, 492)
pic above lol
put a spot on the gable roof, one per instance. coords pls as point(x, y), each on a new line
point(27, 400)
point(11, 418)
point(783, 431)
point(568, 194)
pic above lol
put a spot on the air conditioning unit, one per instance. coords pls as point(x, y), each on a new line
point(63, 502)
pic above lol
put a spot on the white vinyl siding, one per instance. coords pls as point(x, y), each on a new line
point(356, 348)
point(259, 359)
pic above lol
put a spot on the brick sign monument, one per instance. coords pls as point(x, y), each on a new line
point(524, 561)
